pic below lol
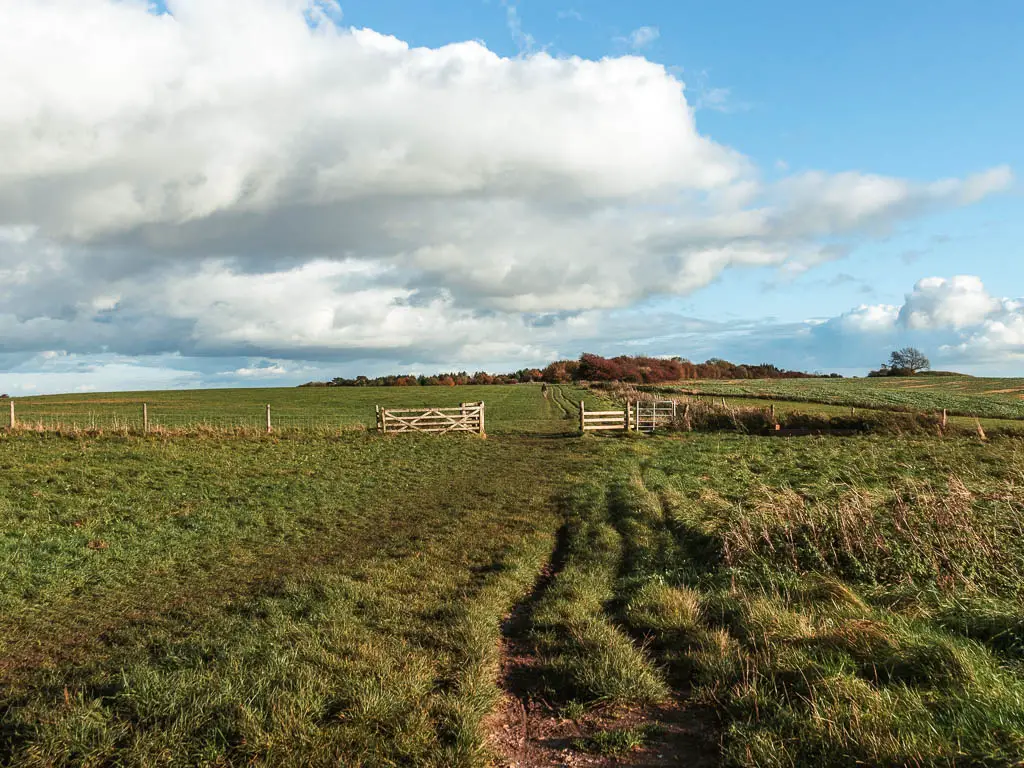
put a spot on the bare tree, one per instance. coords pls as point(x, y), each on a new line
point(909, 360)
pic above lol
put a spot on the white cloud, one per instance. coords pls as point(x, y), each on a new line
point(877, 318)
point(417, 340)
point(716, 99)
point(524, 40)
point(956, 317)
point(643, 37)
point(245, 178)
point(262, 371)
point(61, 372)
point(958, 302)
point(851, 201)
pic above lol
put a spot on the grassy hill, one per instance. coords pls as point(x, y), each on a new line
point(322, 598)
point(960, 395)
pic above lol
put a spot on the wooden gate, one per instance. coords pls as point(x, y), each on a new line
point(637, 417)
point(596, 421)
point(467, 417)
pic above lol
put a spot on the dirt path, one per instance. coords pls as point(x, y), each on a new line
point(558, 397)
point(528, 731)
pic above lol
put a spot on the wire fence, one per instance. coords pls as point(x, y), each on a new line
point(146, 418)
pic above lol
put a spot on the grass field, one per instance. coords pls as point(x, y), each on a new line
point(315, 599)
point(209, 601)
point(837, 602)
point(786, 407)
point(513, 408)
point(960, 395)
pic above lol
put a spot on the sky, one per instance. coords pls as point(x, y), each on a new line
point(213, 193)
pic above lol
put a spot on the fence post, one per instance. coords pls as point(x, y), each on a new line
point(629, 406)
point(636, 423)
point(14, 423)
point(771, 410)
point(583, 417)
point(145, 418)
point(482, 406)
point(943, 418)
point(268, 419)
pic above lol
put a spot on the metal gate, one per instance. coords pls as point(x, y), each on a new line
point(648, 416)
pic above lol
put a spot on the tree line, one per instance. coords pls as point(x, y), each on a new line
point(589, 367)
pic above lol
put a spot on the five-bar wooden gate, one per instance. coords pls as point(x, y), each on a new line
point(467, 417)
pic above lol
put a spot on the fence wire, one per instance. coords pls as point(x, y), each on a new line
point(131, 417)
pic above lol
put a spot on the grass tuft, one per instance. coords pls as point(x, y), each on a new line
point(618, 742)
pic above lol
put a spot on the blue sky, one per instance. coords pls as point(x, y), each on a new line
point(311, 200)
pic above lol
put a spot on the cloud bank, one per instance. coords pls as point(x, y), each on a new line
point(249, 179)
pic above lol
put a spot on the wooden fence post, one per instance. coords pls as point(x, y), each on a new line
point(14, 423)
point(268, 419)
point(482, 431)
point(636, 424)
point(145, 418)
point(771, 411)
point(583, 418)
point(944, 418)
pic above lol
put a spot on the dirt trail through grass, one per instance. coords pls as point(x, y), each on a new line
point(580, 686)
point(566, 408)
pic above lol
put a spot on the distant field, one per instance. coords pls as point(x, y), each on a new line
point(959, 395)
point(512, 408)
point(783, 407)
point(352, 599)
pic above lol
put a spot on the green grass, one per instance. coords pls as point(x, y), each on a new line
point(512, 408)
point(960, 395)
point(324, 599)
point(839, 601)
point(784, 408)
point(587, 657)
point(302, 601)
point(616, 743)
